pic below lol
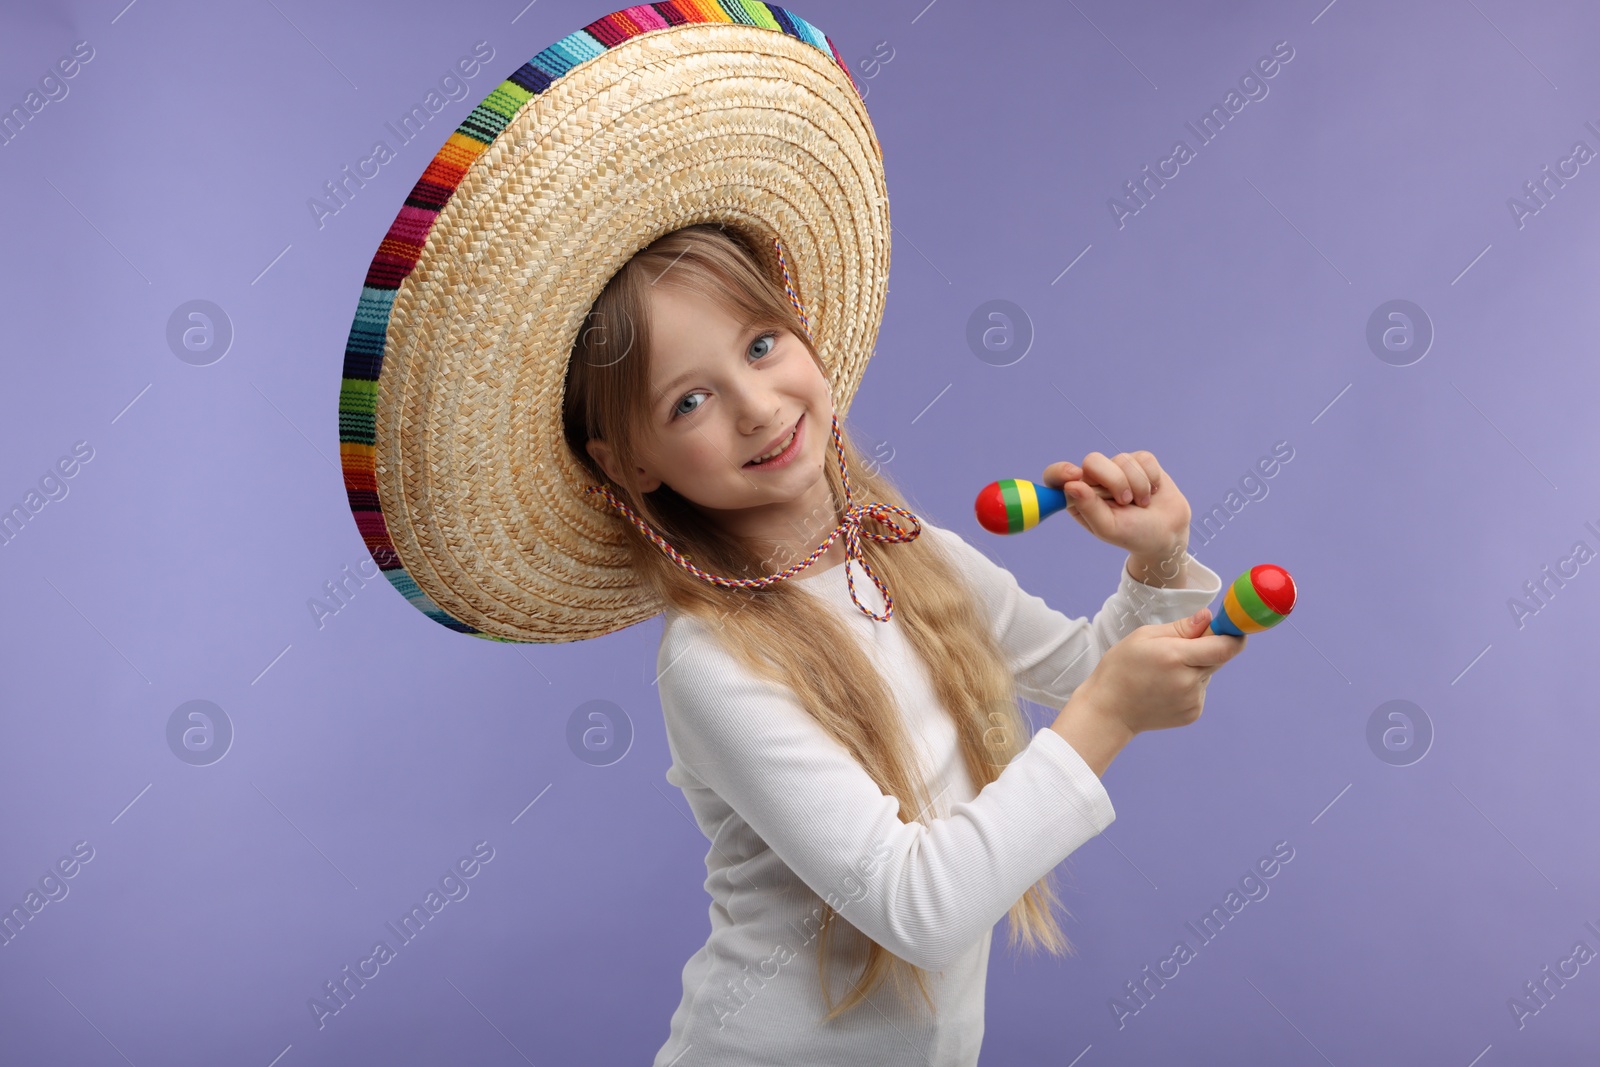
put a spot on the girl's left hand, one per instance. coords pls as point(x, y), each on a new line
point(1125, 500)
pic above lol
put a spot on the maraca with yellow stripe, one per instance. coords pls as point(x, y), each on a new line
point(1013, 505)
point(1258, 599)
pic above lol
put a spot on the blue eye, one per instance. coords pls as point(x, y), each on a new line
point(771, 339)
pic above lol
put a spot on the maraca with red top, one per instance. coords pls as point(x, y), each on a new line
point(1012, 505)
point(1258, 599)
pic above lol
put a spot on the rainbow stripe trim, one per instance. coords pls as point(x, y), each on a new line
point(401, 248)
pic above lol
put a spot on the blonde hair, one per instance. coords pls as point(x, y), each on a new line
point(607, 397)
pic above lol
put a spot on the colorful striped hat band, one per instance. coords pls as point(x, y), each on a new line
point(656, 117)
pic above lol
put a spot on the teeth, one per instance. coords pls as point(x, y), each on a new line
point(787, 441)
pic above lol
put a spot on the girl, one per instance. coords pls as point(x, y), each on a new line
point(582, 387)
point(857, 761)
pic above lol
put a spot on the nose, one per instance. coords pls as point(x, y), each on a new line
point(758, 410)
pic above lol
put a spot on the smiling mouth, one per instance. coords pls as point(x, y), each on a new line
point(783, 446)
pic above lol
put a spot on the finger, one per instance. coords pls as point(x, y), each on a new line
point(1090, 506)
point(1152, 469)
point(1212, 650)
point(1138, 481)
point(1098, 467)
point(1058, 474)
point(1098, 490)
point(1194, 625)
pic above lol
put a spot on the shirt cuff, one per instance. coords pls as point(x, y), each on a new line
point(1156, 604)
point(1078, 779)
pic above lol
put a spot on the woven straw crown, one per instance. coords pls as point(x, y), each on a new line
point(647, 120)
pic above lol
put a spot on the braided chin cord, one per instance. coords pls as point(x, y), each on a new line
point(850, 526)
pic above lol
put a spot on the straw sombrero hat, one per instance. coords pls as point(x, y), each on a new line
point(644, 121)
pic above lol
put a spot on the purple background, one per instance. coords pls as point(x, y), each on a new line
point(1228, 315)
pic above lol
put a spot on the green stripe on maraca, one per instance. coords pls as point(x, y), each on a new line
point(1016, 518)
point(1245, 595)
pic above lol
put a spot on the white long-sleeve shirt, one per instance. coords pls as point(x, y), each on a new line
point(789, 813)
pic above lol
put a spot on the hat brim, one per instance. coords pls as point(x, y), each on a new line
point(451, 436)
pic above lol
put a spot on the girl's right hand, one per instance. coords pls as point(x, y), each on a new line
point(1155, 678)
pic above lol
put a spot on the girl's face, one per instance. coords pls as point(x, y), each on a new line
point(721, 395)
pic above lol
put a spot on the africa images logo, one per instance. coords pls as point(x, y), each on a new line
point(337, 994)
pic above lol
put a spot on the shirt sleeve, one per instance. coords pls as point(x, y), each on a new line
point(932, 889)
point(1051, 653)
